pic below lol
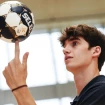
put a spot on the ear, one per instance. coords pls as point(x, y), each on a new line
point(96, 51)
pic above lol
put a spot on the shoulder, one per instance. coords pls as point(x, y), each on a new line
point(93, 93)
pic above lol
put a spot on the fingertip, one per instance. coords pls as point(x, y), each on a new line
point(25, 57)
point(27, 53)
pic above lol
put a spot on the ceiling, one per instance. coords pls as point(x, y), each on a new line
point(61, 13)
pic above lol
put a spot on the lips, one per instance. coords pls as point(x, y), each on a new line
point(68, 57)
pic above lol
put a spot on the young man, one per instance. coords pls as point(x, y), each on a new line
point(84, 50)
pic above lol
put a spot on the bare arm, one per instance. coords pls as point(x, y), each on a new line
point(15, 74)
point(24, 97)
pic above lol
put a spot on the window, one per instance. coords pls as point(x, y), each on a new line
point(40, 62)
point(48, 102)
point(62, 74)
point(56, 101)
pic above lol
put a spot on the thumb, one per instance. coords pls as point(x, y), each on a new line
point(25, 57)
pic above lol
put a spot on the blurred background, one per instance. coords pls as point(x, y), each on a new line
point(48, 80)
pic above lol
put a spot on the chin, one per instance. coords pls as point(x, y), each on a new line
point(71, 68)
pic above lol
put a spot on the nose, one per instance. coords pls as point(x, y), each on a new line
point(66, 50)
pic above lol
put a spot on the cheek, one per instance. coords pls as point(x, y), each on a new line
point(84, 56)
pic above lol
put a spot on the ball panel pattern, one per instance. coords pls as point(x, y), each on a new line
point(2, 22)
point(7, 40)
point(13, 2)
point(21, 30)
point(8, 33)
point(16, 9)
point(4, 9)
point(27, 20)
point(12, 19)
point(26, 8)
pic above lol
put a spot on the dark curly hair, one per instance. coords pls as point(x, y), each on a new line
point(90, 34)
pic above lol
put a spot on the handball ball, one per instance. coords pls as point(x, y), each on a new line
point(16, 21)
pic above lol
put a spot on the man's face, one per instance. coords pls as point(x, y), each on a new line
point(77, 54)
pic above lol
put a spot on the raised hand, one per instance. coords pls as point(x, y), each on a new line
point(15, 72)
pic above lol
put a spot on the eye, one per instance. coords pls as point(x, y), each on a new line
point(74, 43)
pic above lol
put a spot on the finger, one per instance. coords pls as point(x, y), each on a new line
point(17, 50)
point(4, 71)
point(25, 57)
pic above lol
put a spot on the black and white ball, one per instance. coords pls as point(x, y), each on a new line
point(16, 21)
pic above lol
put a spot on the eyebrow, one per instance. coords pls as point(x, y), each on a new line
point(74, 38)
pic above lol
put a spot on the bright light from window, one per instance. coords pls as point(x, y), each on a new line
point(40, 65)
point(3, 62)
point(8, 104)
point(101, 29)
point(56, 101)
point(102, 72)
point(61, 72)
point(48, 102)
point(66, 100)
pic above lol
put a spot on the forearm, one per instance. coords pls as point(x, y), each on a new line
point(15, 74)
point(24, 97)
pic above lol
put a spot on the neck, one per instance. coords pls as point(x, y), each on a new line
point(84, 77)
